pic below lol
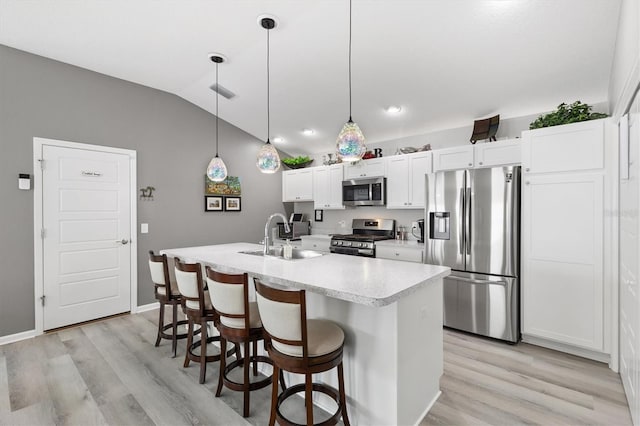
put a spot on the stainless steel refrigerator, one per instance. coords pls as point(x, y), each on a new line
point(472, 225)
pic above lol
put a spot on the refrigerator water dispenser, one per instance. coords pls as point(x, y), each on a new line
point(439, 226)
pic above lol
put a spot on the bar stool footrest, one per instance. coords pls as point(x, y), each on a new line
point(210, 358)
point(236, 386)
point(317, 387)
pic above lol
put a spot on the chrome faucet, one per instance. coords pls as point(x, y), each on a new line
point(266, 230)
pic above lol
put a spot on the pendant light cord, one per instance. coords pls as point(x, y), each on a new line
point(268, 98)
point(350, 119)
point(217, 90)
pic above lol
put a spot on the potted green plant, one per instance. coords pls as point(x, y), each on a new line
point(297, 162)
point(566, 114)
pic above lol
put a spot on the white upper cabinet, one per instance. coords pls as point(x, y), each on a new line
point(572, 147)
point(373, 167)
point(406, 180)
point(327, 187)
point(460, 157)
point(488, 154)
point(297, 185)
point(500, 153)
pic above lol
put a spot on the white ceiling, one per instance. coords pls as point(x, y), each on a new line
point(446, 62)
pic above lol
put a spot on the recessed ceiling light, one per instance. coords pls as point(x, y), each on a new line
point(393, 109)
point(308, 132)
point(278, 139)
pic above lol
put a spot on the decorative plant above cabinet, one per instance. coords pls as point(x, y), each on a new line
point(566, 114)
point(297, 162)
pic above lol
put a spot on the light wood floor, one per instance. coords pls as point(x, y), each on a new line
point(108, 372)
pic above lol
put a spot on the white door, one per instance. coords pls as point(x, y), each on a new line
point(86, 234)
point(629, 271)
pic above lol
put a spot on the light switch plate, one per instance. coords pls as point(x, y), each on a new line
point(144, 228)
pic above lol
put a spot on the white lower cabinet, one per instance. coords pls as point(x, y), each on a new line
point(327, 187)
point(406, 180)
point(297, 185)
point(318, 243)
point(568, 247)
point(562, 223)
point(407, 254)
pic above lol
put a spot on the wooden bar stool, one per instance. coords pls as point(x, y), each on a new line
point(238, 322)
point(166, 292)
point(197, 305)
point(300, 346)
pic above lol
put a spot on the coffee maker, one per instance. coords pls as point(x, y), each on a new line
point(420, 236)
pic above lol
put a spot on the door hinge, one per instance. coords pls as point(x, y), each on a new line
point(41, 160)
point(42, 298)
point(43, 233)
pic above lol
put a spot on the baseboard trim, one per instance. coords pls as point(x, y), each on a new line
point(12, 338)
point(429, 407)
point(561, 347)
point(145, 308)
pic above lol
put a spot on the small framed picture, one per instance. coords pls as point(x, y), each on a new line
point(232, 204)
point(319, 215)
point(212, 204)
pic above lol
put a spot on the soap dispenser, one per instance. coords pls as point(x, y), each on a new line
point(287, 250)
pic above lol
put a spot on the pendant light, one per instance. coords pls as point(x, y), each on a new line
point(268, 160)
point(350, 144)
point(217, 170)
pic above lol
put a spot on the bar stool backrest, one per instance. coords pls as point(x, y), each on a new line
point(284, 317)
point(229, 296)
point(159, 268)
point(189, 279)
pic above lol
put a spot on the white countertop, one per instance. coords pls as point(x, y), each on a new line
point(367, 281)
point(316, 236)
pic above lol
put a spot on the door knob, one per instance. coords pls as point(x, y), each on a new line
point(123, 241)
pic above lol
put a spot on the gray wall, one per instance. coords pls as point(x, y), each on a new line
point(174, 143)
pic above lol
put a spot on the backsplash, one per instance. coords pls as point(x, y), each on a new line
point(339, 221)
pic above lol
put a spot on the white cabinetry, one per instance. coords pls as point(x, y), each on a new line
point(398, 252)
point(488, 154)
point(460, 157)
point(327, 187)
point(500, 153)
point(406, 180)
point(565, 235)
point(373, 167)
point(316, 242)
point(297, 185)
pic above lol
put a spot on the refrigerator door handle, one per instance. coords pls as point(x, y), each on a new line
point(467, 228)
point(461, 231)
point(472, 281)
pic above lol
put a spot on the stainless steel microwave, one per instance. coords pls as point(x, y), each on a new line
point(364, 192)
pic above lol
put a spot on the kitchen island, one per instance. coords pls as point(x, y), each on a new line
point(391, 313)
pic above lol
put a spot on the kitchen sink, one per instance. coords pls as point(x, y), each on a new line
point(277, 252)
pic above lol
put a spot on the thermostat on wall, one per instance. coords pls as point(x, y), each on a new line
point(24, 181)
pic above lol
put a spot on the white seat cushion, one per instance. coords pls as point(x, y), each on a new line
point(323, 337)
point(254, 318)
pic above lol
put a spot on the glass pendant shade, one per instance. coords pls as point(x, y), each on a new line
point(217, 170)
point(350, 144)
point(268, 160)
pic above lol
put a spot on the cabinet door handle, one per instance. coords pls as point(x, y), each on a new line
point(527, 183)
point(480, 163)
point(527, 169)
point(470, 164)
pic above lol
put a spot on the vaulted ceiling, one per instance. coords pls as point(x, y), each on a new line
point(445, 62)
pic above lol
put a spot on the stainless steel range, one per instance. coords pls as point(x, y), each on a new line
point(365, 233)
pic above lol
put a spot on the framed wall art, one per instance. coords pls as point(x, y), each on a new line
point(213, 203)
point(232, 204)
